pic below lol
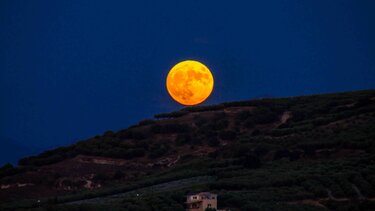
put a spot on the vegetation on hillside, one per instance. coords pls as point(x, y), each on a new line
point(323, 152)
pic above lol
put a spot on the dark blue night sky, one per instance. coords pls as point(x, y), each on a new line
point(70, 70)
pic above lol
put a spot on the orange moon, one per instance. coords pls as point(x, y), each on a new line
point(190, 82)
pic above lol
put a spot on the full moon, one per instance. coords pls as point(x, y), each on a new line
point(190, 82)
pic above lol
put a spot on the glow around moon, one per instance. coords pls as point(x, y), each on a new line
point(190, 82)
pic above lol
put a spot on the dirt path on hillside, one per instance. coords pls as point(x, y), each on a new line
point(286, 115)
point(320, 201)
point(360, 195)
point(167, 186)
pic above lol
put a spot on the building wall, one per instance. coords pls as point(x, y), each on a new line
point(206, 202)
point(203, 201)
point(200, 209)
point(196, 209)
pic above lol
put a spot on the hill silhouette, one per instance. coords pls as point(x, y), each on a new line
point(11, 151)
point(299, 153)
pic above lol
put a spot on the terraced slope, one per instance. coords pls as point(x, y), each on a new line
point(300, 153)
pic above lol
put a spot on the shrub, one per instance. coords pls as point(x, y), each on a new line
point(134, 134)
point(243, 115)
point(124, 153)
point(146, 122)
point(158, 150)
point(199, 121)
point(40, 161)
point(220, 124)
point(249, 123)
point(100, 177)
point(7, 170)
point(109, 133)
point(133, 153)
point(118, 175)
point(170, 128)
point(171, 115)
point(182, 139)
point(264, 115)
point(250, 161)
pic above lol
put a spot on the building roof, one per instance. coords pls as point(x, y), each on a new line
point(201, 193)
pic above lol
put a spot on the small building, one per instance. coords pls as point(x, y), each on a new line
point(201, 201)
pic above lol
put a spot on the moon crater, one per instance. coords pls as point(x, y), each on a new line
point(190, 82)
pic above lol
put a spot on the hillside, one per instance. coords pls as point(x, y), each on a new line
point(11, 151)
point(299, 153)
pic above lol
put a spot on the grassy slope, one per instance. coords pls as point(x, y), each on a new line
point(321, 158)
